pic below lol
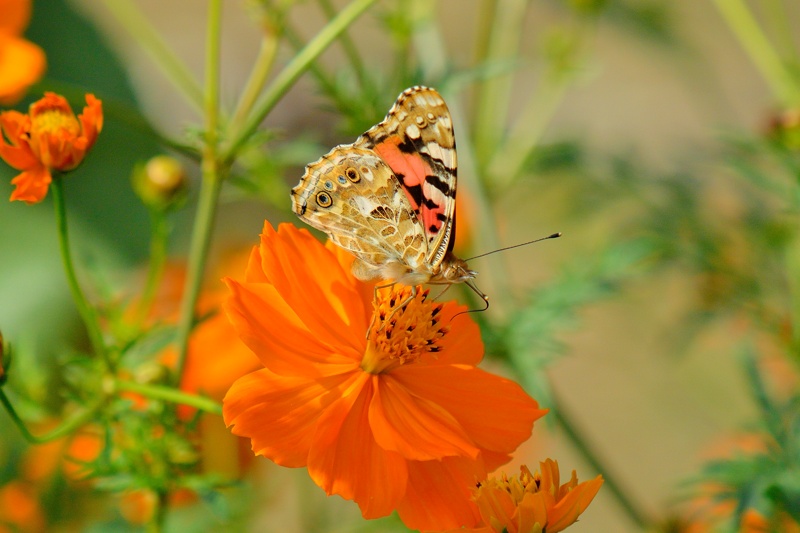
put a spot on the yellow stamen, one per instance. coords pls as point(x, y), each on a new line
point(402, 333)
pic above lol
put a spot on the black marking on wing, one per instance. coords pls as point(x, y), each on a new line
point(441, 185)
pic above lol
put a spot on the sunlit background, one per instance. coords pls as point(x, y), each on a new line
point(648, 137)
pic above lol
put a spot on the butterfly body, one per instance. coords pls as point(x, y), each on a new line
point(389, 198)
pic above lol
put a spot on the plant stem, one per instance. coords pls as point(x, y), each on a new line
point(131, 18)
point(296, 67)
point(494, 94)
point(747, 31)
point(159, 392)
point(349, 48)
point(273, 28)
point(565, 422)
point(212, 173)
point(69, 426)
point(158, 256)
point(84, 309)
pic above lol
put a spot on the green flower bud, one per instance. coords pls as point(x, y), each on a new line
point(160, 183)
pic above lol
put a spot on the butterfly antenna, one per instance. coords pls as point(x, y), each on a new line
point(553, 236)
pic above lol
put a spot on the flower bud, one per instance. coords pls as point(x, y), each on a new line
point(160, 183)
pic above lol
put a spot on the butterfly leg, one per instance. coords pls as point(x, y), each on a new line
point(395, 308)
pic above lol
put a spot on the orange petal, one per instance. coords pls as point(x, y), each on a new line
point(439, 494)
point(463, 343)
point(495, 506)
point(22, 64)
point(495, 412)
point(31, 185)
point(345, 459)
point(269, 327)
point(532, 511)
point(91, 120)
point(567, 510)
point(15, 16)
point(205, 370)
point(313, 283)
point(18, 153)
point(415, 427)
point(278, 413)
point(254, 273)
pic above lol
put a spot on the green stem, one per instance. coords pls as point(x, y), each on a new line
point(159, 235)
point(563, 419)
point(744, 25)
point(349, 48)
point(84, 309)
point(67, 427)
point(258, 77)
point(494, 94)
point(169, 394)
point(212, 173)
point(296, 67)
point(131, 18)
point(509, 159)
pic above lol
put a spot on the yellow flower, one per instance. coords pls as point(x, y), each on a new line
point(50, 137)
point(22, 63)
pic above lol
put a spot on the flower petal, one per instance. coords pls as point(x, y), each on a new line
point(22, 64)
point(278, 413)
point(567, 510)
point(463, 344)
point(31, 185)
point(18, 153)
point(345, 459)
point(313, 283)
point(439, 494)
point(91, 120)
point(269, 327)
point(495, 412)
point(415, 427)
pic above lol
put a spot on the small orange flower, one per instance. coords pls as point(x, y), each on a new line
point(22, 63)
point(50, 137)
point(533, 503)
point(400, 420)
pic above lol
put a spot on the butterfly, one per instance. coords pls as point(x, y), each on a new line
point(389, 197)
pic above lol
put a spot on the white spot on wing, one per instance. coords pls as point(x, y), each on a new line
point(363, 204)
point(412, 131)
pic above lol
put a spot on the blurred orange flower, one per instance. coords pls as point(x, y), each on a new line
point(50, 137)
point(400, 420)
point(533, 503)
point(22, 63)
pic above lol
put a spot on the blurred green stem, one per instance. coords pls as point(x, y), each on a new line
point(67, 427)
point(744, 25)
point(296, 67)
point(349, 48)
point(494, 94)
point(212, 174)
point(159, 234)
point(258, 75)
point(509, 159)
point(159, 392)
point(131, 18)
point(581, 443)
point(86, 311)
point(781, 23)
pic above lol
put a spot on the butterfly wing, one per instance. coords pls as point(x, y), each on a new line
point(352, 195)
point(416, 140)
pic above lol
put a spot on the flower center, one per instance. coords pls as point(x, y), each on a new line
point(57, 122)
point(404, 329)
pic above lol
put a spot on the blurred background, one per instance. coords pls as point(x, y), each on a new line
point(644, 131)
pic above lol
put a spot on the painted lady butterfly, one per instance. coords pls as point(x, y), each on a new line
point(389, 198)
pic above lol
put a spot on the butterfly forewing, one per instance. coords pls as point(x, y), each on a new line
point(416, 140)
point(389, 198)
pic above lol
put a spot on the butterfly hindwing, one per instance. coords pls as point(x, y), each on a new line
point(417, 142)
point(352, 195)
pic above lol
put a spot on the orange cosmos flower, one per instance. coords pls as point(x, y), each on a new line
point(533, 503)
point(400, 420)
point(22, 63)
point(50, 137)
